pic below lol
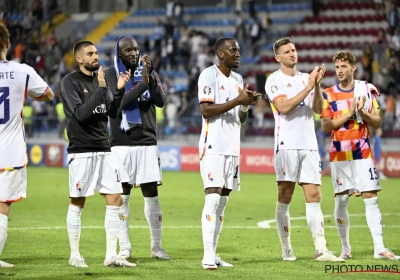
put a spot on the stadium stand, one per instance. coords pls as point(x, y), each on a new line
point(181, 46)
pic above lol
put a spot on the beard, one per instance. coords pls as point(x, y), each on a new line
point(130, 65)
point(91, 67)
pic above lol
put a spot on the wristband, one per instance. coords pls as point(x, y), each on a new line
point(244, 109)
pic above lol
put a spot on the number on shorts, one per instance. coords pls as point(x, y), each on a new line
point(372, 173)
point(4, 93)
point(236, 172)
point(118, 176)
point(302, 104)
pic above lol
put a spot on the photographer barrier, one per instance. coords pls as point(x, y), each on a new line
point(175, 158)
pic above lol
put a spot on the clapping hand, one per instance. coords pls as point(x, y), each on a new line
point(123, 79)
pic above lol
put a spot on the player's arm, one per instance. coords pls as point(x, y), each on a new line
point(318, 100)
point(372, 118)
point(285, 105)
point(328, 124)
point(245, 98)
point(36, 87)
point(71, 96)
point(156, 91)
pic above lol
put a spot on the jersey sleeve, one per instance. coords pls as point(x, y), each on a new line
point(327, 110)
point(375, 93)
point(35, 86)
point(274, 88)
point(206, 85)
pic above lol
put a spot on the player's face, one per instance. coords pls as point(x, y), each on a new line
point(89, 58)
point(129, 52)
point(231, 54)
point(287, 55)
point(344, 71)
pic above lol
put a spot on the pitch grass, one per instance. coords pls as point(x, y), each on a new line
point(41, 251)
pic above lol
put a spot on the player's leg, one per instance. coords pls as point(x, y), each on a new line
point(13, 189)
point(211, 169)
point(219, 222)
point(80, 186)
point(232, 183)
point(4, 210)
point(125, 159)
point(369, 186)
point(125, 247)
point(343, 186)
point(310, 179)
point(109, 185)
point(286, 166)
point(153, 214)
point(149, 176)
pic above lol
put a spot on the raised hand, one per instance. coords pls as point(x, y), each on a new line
point(352, 108)
point(101, 77)
point(320, 74)
point(247, 97)
point(361, 103)
point(123, 79)
point(146, 61)
point(312, 79)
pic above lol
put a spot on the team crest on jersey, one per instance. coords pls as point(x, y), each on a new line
point(207, 90)
point(274, 89)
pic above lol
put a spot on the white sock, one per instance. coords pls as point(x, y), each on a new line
point(3, 231)
point(282, 217)
point(208, 222)
point(74, 229)
point(124, 224)
point(152, 211)
point(219, 221)
point(374, 221)
point(342, 219)
point(112, 227)
point(315, 221)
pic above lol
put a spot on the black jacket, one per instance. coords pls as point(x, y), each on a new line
point(144, 135)
point(87, 107)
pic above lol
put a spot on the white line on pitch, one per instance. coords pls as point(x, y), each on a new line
point(181, 227)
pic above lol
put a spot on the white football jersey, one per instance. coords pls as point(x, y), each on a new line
point(294, 130)
point(220, 134)
point(16, 81)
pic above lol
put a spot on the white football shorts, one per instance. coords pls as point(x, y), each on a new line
point(355, 176)
point(220, 171)
point(90, 171)
point(142, 163)
point(299, 166)
point(13, 185)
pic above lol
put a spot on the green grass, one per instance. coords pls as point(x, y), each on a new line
point(255, 253)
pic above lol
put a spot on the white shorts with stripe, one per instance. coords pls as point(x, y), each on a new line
point(356, 176)
point(13, 185)
point(94, 171)
point(142, 163)
point(220, 171)
point(300, 166)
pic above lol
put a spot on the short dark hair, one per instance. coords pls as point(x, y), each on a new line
point(281, 42)
point(80, 45)
point(345, 56)
point(4, 35)
point(221, 42)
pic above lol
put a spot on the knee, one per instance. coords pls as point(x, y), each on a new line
point(285, 195)
point(126, 188)
point(371, 194)
point(149, 189)
point(114, 199)
point(314, 196)
point(78, 201)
